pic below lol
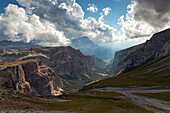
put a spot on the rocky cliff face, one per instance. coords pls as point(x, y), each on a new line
point(157, 47)
point(31, 78)
point(65, 62)
point(6, 80)
point(121, 55)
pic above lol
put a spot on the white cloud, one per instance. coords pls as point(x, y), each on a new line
point(92, 8)
point(133, 26)
point(101, 17)
point(67, 16)
point(59, 21)
point(121, 20)
point(19, 26)
point(98, 31)
point(106, 10)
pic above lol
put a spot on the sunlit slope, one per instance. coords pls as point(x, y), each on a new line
point(156, 73)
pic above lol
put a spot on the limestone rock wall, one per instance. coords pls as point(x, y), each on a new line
point(32, 79)
point(157, 47)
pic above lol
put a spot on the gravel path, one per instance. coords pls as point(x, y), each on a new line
point(142, 101)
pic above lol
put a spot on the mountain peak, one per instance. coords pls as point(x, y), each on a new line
point(83, 42)
point(85, 37)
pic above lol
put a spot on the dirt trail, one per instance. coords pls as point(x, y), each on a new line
point(142, 101)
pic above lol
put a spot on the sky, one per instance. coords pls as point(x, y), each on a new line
point(118, 8)
point(114, 23)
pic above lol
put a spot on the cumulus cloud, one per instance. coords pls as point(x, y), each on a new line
point(106, 10)
point(67, 16)
point(143, 18)
point(59, 21)
point(101, 17)
point(51, 21)
point(18, 25)
point(92, 8)
point(98, 31)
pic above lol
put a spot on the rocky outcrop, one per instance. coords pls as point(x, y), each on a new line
point(31, 78)
point(121, 55)
point(66, 62)
point(157, 47)
point(6, 80)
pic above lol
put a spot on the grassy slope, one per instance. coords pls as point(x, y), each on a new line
point(74, 85)
point(16, 63)
point(163, 95)
point(88, 102)
point(152, 74)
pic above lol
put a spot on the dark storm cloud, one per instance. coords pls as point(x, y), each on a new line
point(154, 12)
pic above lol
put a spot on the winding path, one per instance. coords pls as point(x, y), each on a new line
point(145, 102)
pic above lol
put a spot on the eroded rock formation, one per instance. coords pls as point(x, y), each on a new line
point(33, 79)
point(65, 61)
point(52, 64)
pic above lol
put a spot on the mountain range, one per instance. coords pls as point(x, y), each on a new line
point(57, 66)
point(6, 44)
point(88, 47)
point(141, 74)
point(53, 71)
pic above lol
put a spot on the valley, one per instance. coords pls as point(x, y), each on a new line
point(64, 80)
point(84, 56)
point(63, 67)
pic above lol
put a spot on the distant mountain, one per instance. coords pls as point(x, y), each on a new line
point(131, 58)
point(88, 47)
point(5, 44)
point(83, 42)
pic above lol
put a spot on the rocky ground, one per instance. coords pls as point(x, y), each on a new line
point(13, 102)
